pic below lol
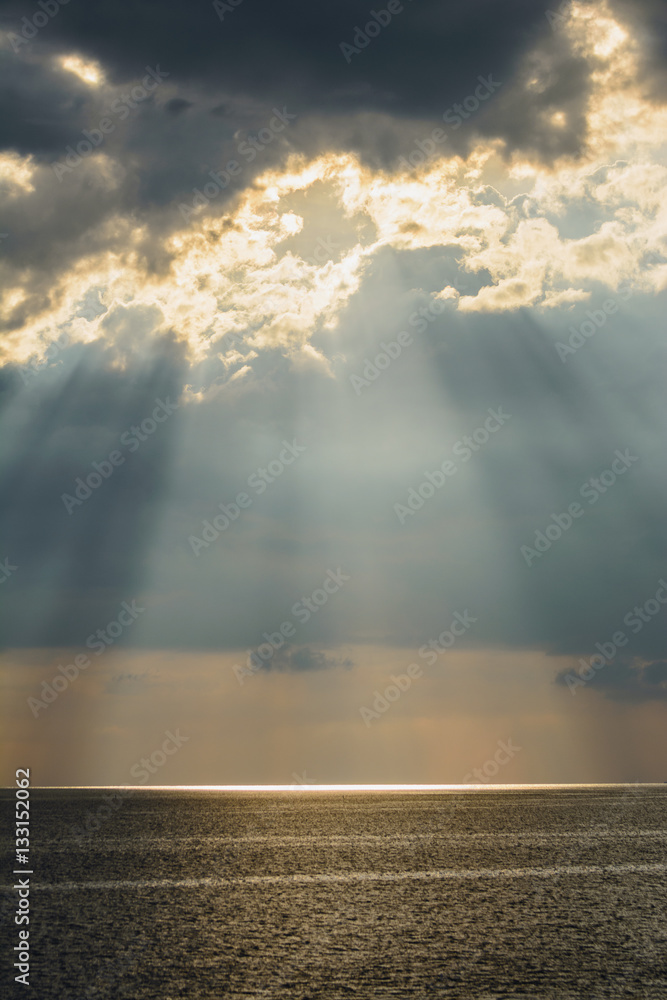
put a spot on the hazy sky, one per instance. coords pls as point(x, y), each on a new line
point(333, 407)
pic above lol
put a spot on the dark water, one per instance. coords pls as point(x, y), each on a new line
point(555, 893)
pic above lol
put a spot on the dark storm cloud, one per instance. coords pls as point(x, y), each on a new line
point(648, 22)
point(426, 59)
point(150, 162)
point(51, 230)
point(222, 81)
point(40, 105)
point(550, 80)
point(422, 57)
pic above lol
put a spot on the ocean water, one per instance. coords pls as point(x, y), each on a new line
point(540, 892)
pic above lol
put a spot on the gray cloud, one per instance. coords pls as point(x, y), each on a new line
point(299, 658)
point(377, 106)
point(627, 681)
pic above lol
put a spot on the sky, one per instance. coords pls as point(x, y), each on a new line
point(332, 392)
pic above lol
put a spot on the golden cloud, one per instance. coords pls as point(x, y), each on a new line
point(236, 284)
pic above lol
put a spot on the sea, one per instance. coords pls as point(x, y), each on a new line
point(512, 892)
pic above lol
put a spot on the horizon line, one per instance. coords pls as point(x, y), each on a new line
point(352, 787)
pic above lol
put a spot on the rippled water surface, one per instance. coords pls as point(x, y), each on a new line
point(486, 893)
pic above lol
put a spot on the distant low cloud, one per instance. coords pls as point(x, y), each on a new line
point(627, 681)
point(177, 105)
point(306, 658)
